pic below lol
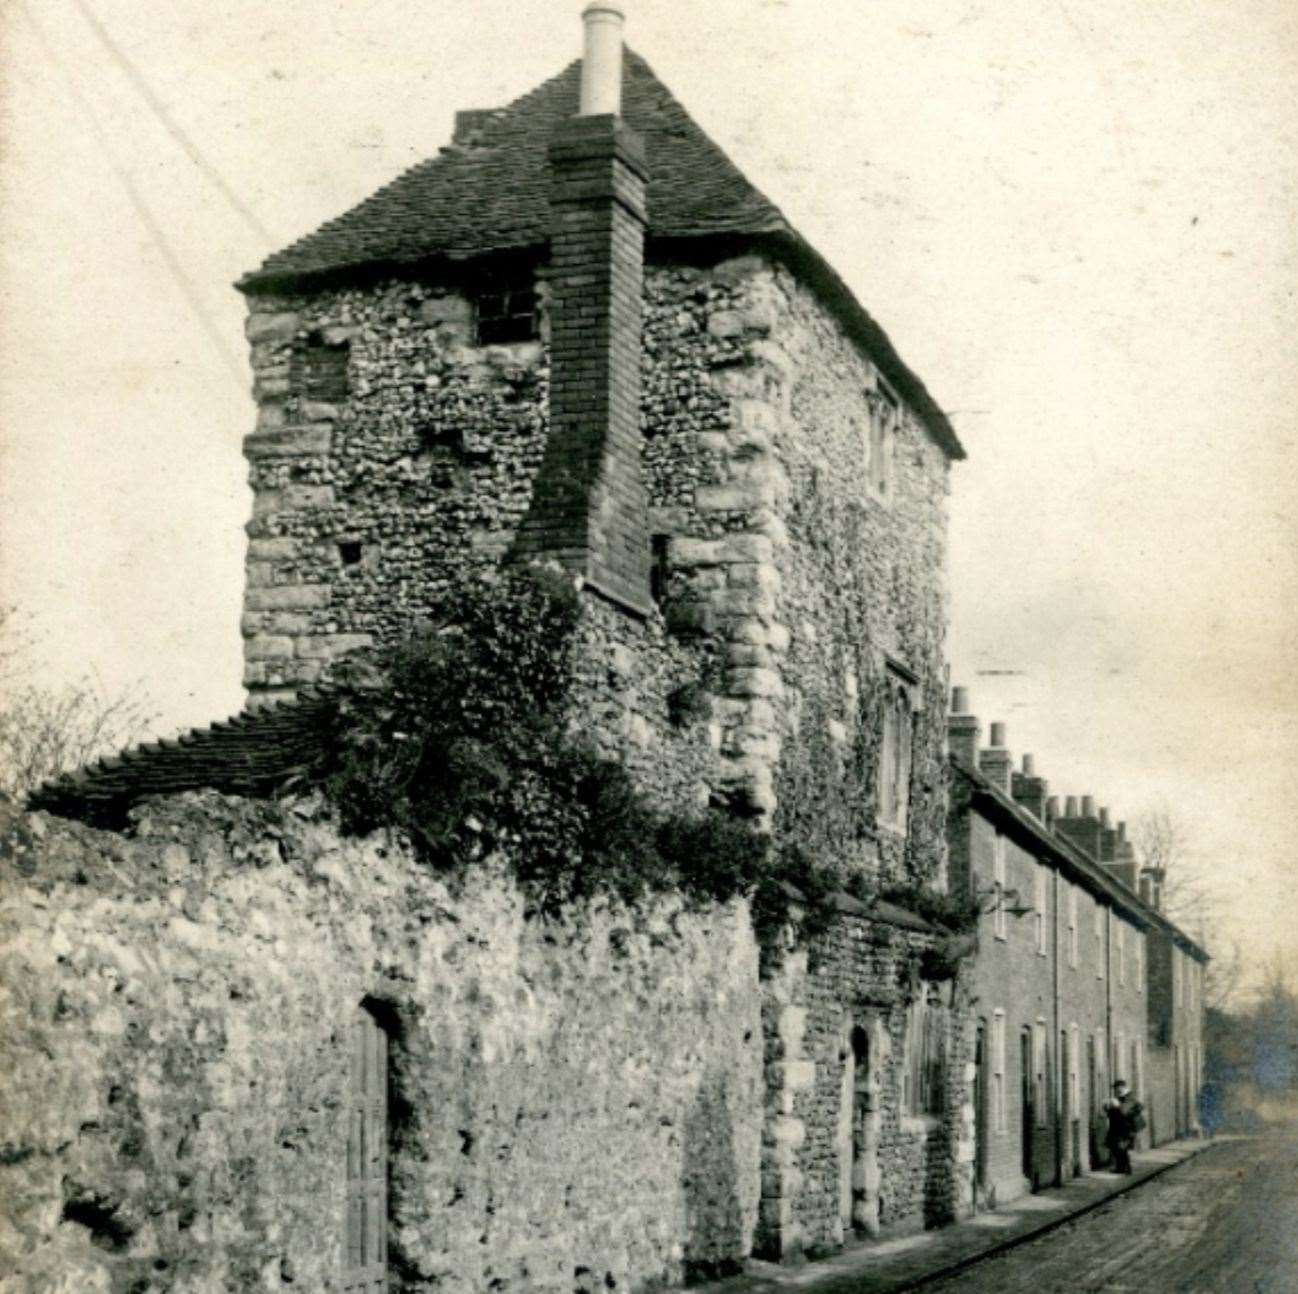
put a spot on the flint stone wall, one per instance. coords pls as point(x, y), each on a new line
point(783, 578)
point(575, 1104)
point(861, 974)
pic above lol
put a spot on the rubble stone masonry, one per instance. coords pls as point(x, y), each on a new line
point(574, 1104)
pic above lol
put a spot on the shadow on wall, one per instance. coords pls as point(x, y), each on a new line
point(715, 1243)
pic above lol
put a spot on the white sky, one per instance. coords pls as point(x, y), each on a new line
point(1077, 223)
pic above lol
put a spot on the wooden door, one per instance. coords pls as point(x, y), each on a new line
point(1028, 1121)
point(981, 1088)
point(366, 1258)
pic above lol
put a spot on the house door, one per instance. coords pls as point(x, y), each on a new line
point(365, 1259)
point(1092, 1107)
point(1027, 1104)
point(981, 1088)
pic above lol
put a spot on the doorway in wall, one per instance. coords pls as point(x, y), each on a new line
point(1092, 1107)
point(858, 1135)
point(365, 1252)
point(981, 1120)
point(1027, 1103)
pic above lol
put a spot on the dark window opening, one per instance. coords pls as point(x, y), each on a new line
point(320, 369)
point(659, 571)
point(506, 310)
point(350, 552)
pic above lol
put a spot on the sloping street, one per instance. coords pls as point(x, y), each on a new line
point(1226, 1222)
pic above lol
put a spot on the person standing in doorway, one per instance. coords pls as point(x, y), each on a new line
point(1126, 1117)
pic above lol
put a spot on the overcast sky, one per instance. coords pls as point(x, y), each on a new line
point(1077, 222)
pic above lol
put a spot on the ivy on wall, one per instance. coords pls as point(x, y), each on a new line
point(461, 739)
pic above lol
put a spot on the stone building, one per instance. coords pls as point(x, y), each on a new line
point(577, 336)
point(1065, 979)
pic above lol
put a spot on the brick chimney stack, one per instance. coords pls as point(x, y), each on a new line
point(589, 508)
point(962, 729)
point(1029, 790)
point(995, 762)
point(1081, 825)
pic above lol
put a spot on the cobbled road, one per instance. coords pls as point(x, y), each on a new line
point(1225, 1222)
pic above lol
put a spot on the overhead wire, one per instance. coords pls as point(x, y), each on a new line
point(170, 124)
point(157, 235)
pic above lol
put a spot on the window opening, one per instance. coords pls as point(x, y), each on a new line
point(895, 751)
point(1000, 924)
point(659, 571)
point(506, 308)
point(1072, 924)
point(1039, 906)
point(349, 552)
point(884, 413)
point(319, 369)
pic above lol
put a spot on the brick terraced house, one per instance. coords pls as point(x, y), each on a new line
point(1067, 984)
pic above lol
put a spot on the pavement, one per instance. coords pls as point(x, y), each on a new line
point(912, 1262)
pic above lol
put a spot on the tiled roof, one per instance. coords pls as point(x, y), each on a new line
point(250, 754)
point(1092, 873)
point(492, 195)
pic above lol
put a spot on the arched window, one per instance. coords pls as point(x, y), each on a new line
point(365, 1256)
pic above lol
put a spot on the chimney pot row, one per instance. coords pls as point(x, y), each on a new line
point(1070, 807)
point(1029, 766)
point(997, 738)
point(1088, 806)
point(959, 700)
point(1104, 819)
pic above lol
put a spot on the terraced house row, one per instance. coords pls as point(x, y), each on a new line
point(1079, 980)
point(576, 338)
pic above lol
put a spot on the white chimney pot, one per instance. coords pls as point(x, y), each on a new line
point(601, 62)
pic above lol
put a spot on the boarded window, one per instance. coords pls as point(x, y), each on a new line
point(365, 1262)
point(319, 369)
point(924, 1082)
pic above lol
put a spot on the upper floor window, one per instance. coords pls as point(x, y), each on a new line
point(895, 750)
point(885, 412)
point(1039, 906)
point(1122, 953)
point(1072, 925)
point(1140, 960)
point(318, 369)
point(505, 307)
point(999, 922)
point(1099, 941)
point(1176, 978)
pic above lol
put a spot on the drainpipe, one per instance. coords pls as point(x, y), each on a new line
point(1060, 1078)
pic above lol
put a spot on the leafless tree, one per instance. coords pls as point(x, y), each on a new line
point(45, 731)
point(1162, 842)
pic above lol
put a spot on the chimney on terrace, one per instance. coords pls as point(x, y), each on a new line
point(962, 729)
point(1081, 825)
point(1029, 790)
point(995, 762)
point(589, 508)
